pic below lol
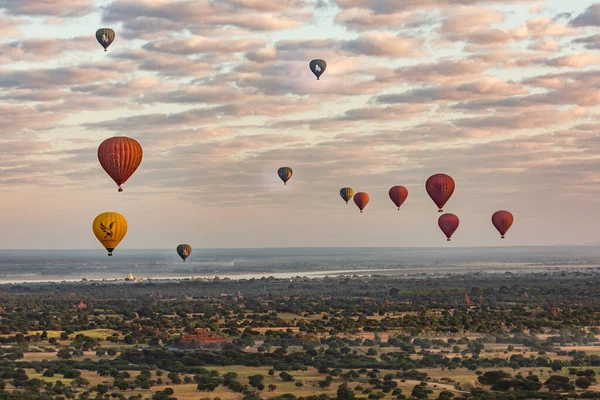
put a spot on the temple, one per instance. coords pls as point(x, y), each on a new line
point(200, 339)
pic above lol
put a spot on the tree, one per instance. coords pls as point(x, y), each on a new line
point(286, 377)
point(583, 382)
point(257, 381)
point(64, 354)
point(558, 383)
point(272, 387)
point(345, 393)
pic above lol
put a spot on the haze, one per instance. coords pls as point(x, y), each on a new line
point(501, 95)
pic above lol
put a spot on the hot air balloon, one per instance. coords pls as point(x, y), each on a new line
point(440, 187)
point(184, 251)
point(285, 173)
point(110, 228)
point(105, 37)
point(318, 67)
point(346, 194)
point(502, 220)
point(120, 156)
point(448, 224)
point(361, 199)
point(398, 194)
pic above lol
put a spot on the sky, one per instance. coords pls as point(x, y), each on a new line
point(500, 94)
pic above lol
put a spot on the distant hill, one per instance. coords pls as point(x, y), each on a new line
point(593, 244)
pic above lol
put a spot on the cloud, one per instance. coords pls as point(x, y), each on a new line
point(464, 19)
point(590, 42)
point(18, 118)
point(590, 17)
point(442, 71)
point(9, 27)
point(384, 45)
point(55, 77)
point(550, 46)
point(195, 45)
point(55, 8)
point(147, 18)
point(575, 60)
point(42, 49)
point(485, 88)
point(365, 19)
point(507, 106)
point(350, 117)
point(379, 44)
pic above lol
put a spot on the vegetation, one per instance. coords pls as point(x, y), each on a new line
point(463, 337)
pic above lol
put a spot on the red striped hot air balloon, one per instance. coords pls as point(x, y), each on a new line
point(398, 194)
point(120, 156)
point(361, 199)
point(440, 188)
point(448, 223)
point(502, 220)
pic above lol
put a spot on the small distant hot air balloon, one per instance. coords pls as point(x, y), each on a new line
point(502, 220)
point(440, 188)
point(361, 199)
point(318, 67)
point(184, 251)
point(398, 194)
point(105, 37)
point(110, 228)
point(448, 223)
point(346, 194)
point(285, 173)
point(120, 156)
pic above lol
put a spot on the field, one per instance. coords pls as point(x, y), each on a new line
point(380, 339)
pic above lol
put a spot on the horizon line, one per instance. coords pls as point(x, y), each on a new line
point(593, 244)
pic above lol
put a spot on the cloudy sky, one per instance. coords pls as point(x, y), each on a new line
point(500, 94)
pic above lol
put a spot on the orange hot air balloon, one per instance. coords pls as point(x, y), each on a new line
point(502, 220)
point(440, 187)
point(398, 194)
point(120, 156)
point(448, 223)
point(361, 199)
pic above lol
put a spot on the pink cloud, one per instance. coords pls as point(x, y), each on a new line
point(58, 8)
point(43, 49)
point(575, 60)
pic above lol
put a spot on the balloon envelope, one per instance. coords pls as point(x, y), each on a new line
point(361, 199)
point(448, 223)
point(317, 67)
point(502, 220)
point(105, 37)
point(398, 194)
point(120, 156)
point(184, 251)
point(285, 173)
point(110, 228)
point(346, 194)
point(440, 188)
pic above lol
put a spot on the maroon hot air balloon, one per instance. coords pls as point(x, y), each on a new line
point(448, 224)
point(120, 156)
point(398, 194)
point(502, 220)
point(440, 187)
point(361, 199)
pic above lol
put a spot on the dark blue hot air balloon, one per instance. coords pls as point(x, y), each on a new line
point(318, 67)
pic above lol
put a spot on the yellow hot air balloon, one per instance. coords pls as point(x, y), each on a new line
point(110, 228)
